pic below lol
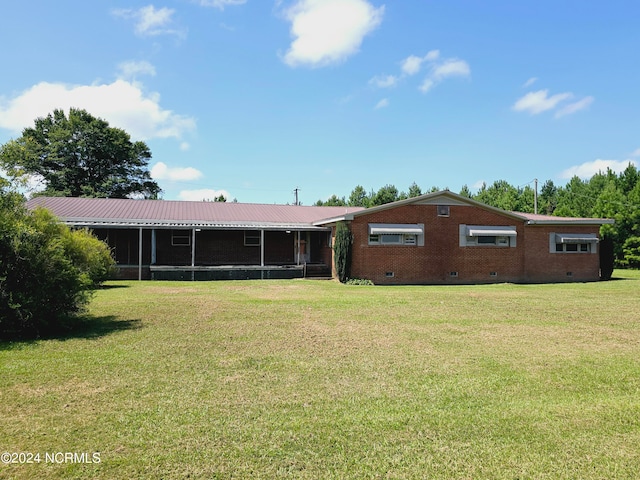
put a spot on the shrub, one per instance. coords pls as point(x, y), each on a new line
point(631, 251)
point(47, 271)
point(342, 251)
point(607, 260)
point(359, 281)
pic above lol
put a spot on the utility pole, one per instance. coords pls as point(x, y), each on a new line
point(295, 191)
point(535, 196)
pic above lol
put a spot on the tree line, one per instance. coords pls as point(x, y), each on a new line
point(604, 195)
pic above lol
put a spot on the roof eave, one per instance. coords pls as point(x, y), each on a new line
point(165, 224)
point(576, 221)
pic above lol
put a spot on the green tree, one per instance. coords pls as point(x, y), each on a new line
point(548, 198)
point(414, 190)
point(359, 197)
point(387, 194)
point(342, 251)
point(575, 200)
point(81, 155)
point(500, 195)
point(47, 271)
point(333, 201)
point(465, 191)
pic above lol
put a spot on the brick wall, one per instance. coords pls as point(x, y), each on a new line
point(442, 256)
point(544, 266)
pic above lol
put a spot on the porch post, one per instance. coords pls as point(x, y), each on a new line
point(262, 247)
point(193, 253)
point(140, 254)
point(298, 250)
point(153, 246)
point(262, 253)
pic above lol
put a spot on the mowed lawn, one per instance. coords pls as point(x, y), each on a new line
point(314, 379)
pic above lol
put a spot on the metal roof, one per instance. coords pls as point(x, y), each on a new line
point(112, 212)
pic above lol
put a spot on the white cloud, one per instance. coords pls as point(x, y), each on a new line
point(426, 85)
point(160, 171)
point(123, 104)
point(184, 146)
point(149, 21)
point(574, 107)
point(202, 194)
point(384, 81)
point(530, 82)
point(327, 32)
point(220, 3)
point(382, 104)
point(451, 67)
point(636, 153)
point(129, 70)
point(412, 64)
point(589, 169)
point(538, 102)
point(439, 70)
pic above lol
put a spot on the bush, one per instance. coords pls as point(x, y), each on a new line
point(631, 251)
point(342, 251)
point(359, 281)
point(607, 258)
point(47, 271)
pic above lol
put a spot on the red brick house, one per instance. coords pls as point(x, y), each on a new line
point(445, 238)
point(437, 238)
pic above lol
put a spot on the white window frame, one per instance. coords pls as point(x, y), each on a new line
point(583, 242)
point(391, 234)
point(502, 236)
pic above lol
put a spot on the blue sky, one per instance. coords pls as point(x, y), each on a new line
point(253, 98)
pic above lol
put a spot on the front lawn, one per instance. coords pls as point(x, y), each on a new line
point(315, 379)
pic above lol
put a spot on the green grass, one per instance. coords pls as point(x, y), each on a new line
point(314, 379)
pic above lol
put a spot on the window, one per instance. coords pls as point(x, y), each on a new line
point(443, 210)
point(573, 247)
point(180, 238)
point(572, 242)
point(396, 234)
point(392, 239)
point(488, 236)
point(252, 238)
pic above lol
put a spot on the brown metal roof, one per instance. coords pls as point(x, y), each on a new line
point(106, 211)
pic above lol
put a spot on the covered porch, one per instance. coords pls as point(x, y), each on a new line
point(205, 252)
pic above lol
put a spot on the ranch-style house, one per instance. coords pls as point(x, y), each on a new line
point(436, 238)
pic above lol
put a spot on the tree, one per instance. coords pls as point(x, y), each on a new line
point(359, 197)
point(47, 271)
point(81, 156)
point(414, 190)
point(342, 251)
point(548, 198)
point(386, 194)
point(500, 194)
point(333, 201)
